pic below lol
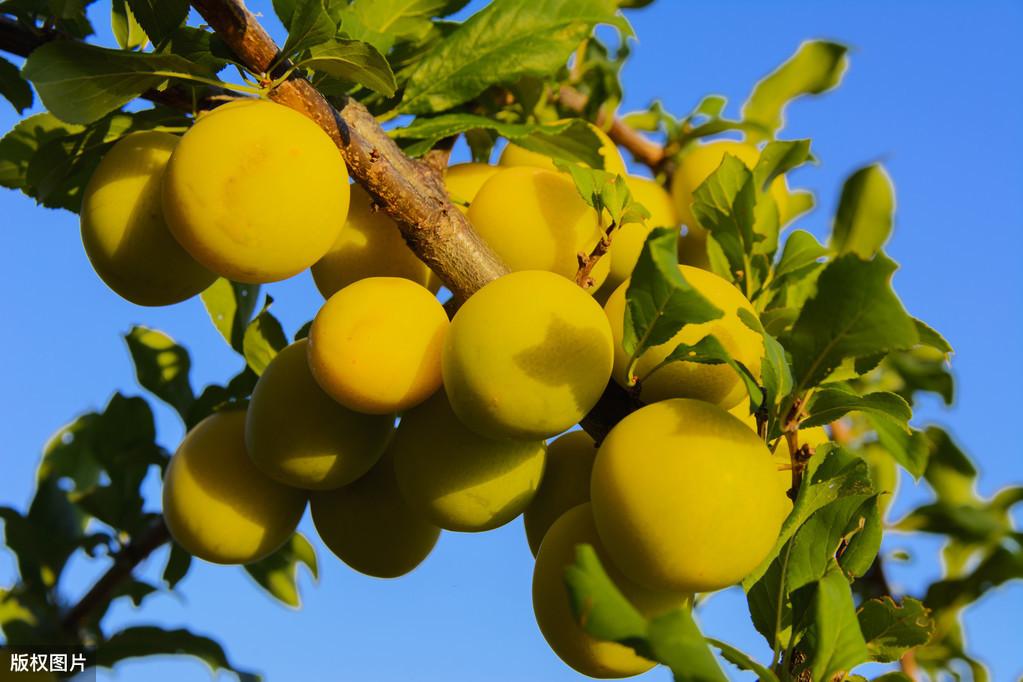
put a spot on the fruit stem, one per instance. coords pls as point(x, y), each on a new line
point(587, 262)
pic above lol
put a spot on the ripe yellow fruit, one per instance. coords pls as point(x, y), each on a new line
point(218, 506)
point(718, 384)
point(256, 192)
point(553, 609)
point(566, 483)
point(514, 155)
point(628, 240)
point(463, 181)
point(695, 166)
point(535, 220)
point(685, 497)
point(375, 346)
point(124, 231)
point(526, 356)
point(458, 479)
point(297, 435)
point(369, 245)
point(369, 526)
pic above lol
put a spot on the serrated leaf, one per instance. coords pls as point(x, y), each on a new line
point(710, 351)
point(278, 573)
point(854, 313)
point(81, 83)
point(352, 60)
point(264, 338)
point(865, 213)
point(503, 43)
point(151, 640)
point(835, 641)
point(816, 67)
point(126, 28)
point(159, 18)
point(310, 25)
point(13, 87)
point(659, 301)
point(830, 404)
point(161, 367)
point(891, 629)
point(230, 306)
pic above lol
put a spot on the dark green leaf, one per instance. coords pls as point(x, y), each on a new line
point(264, 337)
point(80, 83)
point(502, 43)
point(178, 563)
point(724, 205)
point(830, 404)
point(151, 640)
point(863, 544)
point(352, 60)
point(230, 306)
point(930, 337)
point(159, 18)
point(161, 366)
point(278, 573)
point(310, 25)
point(816, 542)
point(13, 87)
point(817, 66)
point(127, 31)
point(835, 641)
point(865, 214)
point(891, 629)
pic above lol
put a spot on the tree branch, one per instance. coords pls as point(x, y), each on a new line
point(643, 150)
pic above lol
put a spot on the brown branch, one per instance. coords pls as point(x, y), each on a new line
point(125, 562)
point(20, 40)
point(588, 262)
point(643, 150)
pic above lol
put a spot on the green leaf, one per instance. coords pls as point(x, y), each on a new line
point(835, 641)
point(503, 43)
point(830, 528)
point(891, 629)
point(1000, 566)
point(931, 338)
point(910, 449)
point(780, 157)
point(278, 573)
point(816, 67)
point(949, 471)
point(854, 314)
point(80, 83)
point(863, 542)
point(385, 22)
point(151, 640)
point(742, 660)
point(230, 306)
point(659, 301)
point(802, 252)
point(865, 214)
point(176, 568)
point(352, 60)
point(159, 18)
point(709, 351)
point(161, 367)
point(13, 87)
point(215, 397)
point(724, 205)
point(263, 339)
point(604, 191)
point(127, 30)
point(830, 404)
point(310, 25)
point(676, 641)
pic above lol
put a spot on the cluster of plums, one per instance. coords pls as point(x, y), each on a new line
point(682, 496)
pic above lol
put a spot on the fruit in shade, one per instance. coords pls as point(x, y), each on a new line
point(458, 479)
point(718, 384)
point(463, 181)
point(535, 220)
point(514, 155)
point(218, 506)
point(553, 610)
point(123, 229)
point(565, 484)
point(297, 435)
point(369, 526)
point(685, 497)
point(375, 346)
point(369, 245)
point(256, 192)
point(526, 356)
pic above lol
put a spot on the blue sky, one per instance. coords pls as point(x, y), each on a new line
point(933, 92)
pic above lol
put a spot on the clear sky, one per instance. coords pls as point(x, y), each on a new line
point(933, 91)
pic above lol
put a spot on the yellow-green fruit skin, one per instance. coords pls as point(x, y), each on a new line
point(718, 384)
point(458, 479)
point(526, 356)
point(695, 166)
point(628, 240)
point(256, 193)
point(296, 434)
point(514, 155)
point(369, 526)
point(565, 484)
point(369, 245)
point(535, 220)
point(685, 497)
point(884, 473)
point(375, 346)
point(123, 229)
point(553, 610)
point(218, 506)
point(463, 182)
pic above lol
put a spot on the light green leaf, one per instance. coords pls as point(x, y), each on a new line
point(742, 660)
point(865, 214)
point(352, 60)
point(385, 22)
point(597, 603)
point(676, 641)
point(13, 87)
point(891, 629)
point(310, 25)
point(801, 253)
point(724, 205)
point(829, 404)
point(151, 640)
point(230, 306)
point(502, 43)
point(949, 471)
point(278, 573)
point(931, 338)
point(816, 67)
point(780, 157)
point(127, 30)
point(815, 543)
point(836, 643)
point(263, 339)
point(910, 449)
